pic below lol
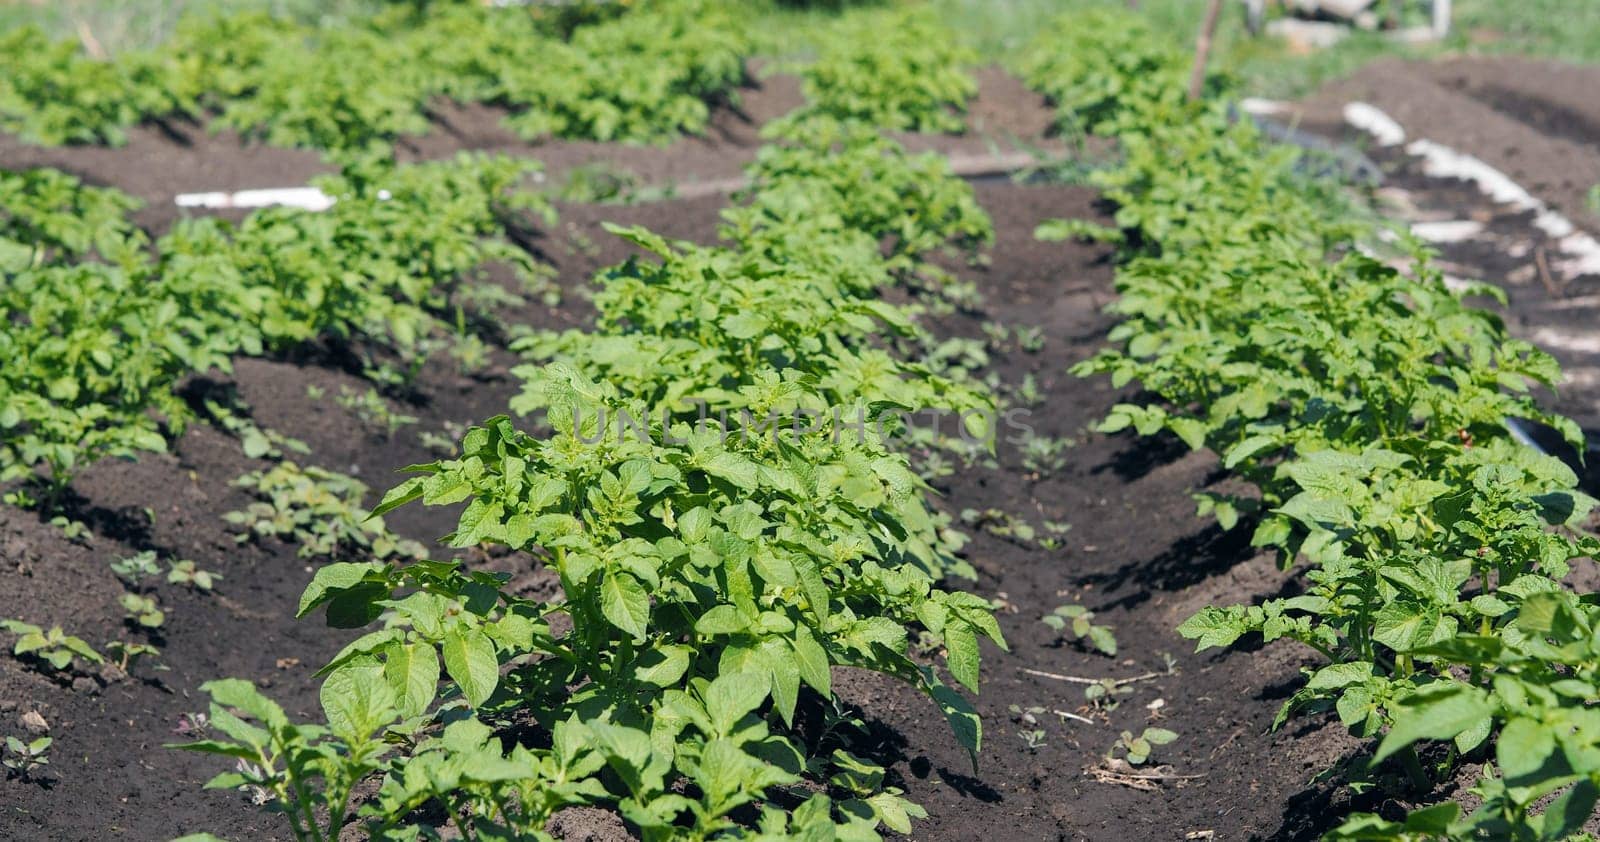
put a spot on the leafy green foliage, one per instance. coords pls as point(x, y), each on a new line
point(738, 330)
point(276, 757)
point(843, 181)
point(1368, 408)
point(87, 353)
point(48, 216)
point(54, 646)
point(713, 569)
point(645, 77)
point(355, 88)
point(1095, 62)
point(94, 348)
point(380, 265)
point(51, 94)
point(347, 89)
point(894, 69)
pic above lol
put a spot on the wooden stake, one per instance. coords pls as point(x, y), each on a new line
point(91, 44)
point(1202, 48)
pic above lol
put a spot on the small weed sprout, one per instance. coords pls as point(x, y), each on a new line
point(1030, 339)
point(317, 509)
point(995, 334)
point(26, 759)
point(998, 523)
point(127, 652)
point(1033, 737)
point(135, 569)
point(1080, 621)
point(75, 531)
point(232, 414)
point(1137, 749)
point(1027, 392)
point(1056, 539)
point(143, 611)
point(373, 410)
point(443, 442)
point(1103, 694)
point(185, 572)
point(1043, 455)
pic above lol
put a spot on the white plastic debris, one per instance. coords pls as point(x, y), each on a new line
point(1373, 121)
point(307, 198)
point(1257, 105)
point(1448, 231)
point(1582, 251)
point(1578, 343)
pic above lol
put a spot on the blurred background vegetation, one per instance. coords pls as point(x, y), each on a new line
point(1568, 30)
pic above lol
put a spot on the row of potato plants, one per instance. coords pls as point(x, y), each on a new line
point(603, 71)
point(895, 68)
point(716, 557)
point(102, 325)
point(1368, 407)
point(644, 72)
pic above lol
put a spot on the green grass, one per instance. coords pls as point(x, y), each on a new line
point(1560, 29)
point(121, 25)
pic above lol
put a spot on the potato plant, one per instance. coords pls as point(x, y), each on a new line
point(49, 217)
point(90, 349)
point(646, 75)
point(381, 264)
point(52, 94)
point(1368, 407)
point(714, 568)
point(97, 332)
point(894, 69)
point(845, 181)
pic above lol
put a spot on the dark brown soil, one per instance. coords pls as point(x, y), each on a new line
point(1533, 120)
point(1135, 554)
point(1139, 558)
